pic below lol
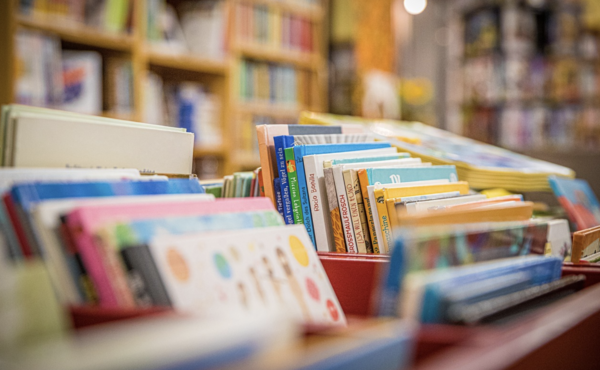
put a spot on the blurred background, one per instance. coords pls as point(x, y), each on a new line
point(521, 74)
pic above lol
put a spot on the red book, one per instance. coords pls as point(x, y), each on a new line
point(13, 215)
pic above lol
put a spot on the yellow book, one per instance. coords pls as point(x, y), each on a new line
point(382, 194)
point(364, 182)
point(503, 212)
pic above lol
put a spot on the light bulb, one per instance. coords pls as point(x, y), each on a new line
point(415, 7)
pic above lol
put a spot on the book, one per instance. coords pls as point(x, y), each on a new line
point(293, 182)
point(82, 81)
point(300, 152)
point(337, 230)
point(313, 166)
point(382, 194)
point(363, 242)
point(437, 204)
point(586, 245)
point(247, 267)
point(423, 292)
point(278, 197)
point(101, 261)
point(92, 145)
point(266, 133)
point(578, 200)
point(46, 222)
point(143, 277)
point(281, 143)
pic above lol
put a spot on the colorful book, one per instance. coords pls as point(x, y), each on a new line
point(334, 212)
point(313, 168)
point(253, 270)
point(102, 264)
point(266, 133)
point(578, 199)
point(382, 194)
point(281, 143)
point(398, 175)
point(301, 151)
point(293, 182)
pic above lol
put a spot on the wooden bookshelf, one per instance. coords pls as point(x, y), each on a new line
point(219, 76)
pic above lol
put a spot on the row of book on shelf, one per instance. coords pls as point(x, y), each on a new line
point(124, 239)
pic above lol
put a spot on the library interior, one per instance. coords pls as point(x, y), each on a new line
point(299, 184)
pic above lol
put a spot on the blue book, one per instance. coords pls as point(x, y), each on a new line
point(411, 174)
point(27, 195)
point(278, 200)
point(303, 150)
point(335, 162)
point(540, 269)
point(282, 142)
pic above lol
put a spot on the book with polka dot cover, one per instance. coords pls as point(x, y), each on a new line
point(247, 271)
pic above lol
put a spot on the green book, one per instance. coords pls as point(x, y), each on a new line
point(215, 190)
point(290, 163)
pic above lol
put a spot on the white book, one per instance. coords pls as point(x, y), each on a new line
point(371, 191)
point(435, 203)
point(45, 219)
point(313, 168)
point(82, 82)
point(92, 145)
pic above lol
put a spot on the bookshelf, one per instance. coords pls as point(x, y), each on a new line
point(219, 76)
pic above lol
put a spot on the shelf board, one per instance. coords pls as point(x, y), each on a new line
point(77, 33)
point(203, 152)
point(312, 12)
point(271, 110)
point(299, 59)
point(187, 62)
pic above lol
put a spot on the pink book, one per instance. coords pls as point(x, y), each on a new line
point(104, 265)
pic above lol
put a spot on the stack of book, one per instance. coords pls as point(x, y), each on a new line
point(239, 185)
point(29, 139)
point(483, 166)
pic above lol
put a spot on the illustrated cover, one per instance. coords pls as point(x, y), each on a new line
point(281, 143)
point(245, 272)
point(334, 212)
point(578, 199)
point(290, 164)
point(363, 243)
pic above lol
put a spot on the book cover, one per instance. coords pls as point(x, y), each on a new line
point(301, 151)
point(281, 143)
point(293, 182)
point(143, 277)
point(344, 207)
point(364, 183)
point(82, 76)
point(246, 272)
point(578, 199)
point(398, 175)
point(334, 212)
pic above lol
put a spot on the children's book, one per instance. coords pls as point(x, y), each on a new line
point(247, 271)
point(281, 143)
point(303, 185)
point(101, 261)
point(578, 199)
point(313, 166)
point(266, 145)
point(380, 195)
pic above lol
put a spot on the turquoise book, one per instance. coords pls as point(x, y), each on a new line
point(411, 174)
point(335, 162)
point(301, 151)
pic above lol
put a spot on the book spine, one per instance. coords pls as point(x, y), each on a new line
point(344, 210)
point(16, 225)
point(384, 221)
point(76, 267)
point(293, 181)
point(361, 210)
point(282, 143)
point(303, 190)
point(101, 262)
point(364, 183)
point(334, 212)
point(391, 209)
point(323, 237)
point(261, 186)
point(143, 277)
point(278, 200)
point(354, 214)
point(266, 178)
